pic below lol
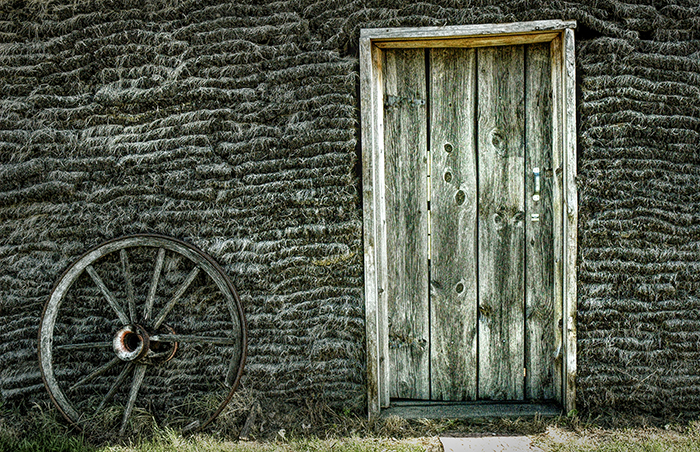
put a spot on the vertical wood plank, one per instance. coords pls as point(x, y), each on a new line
point(571, 220)
point(453, 292)
point(557, 213)
point(368, 71)
point(501, 222)
point(539, 265)
point(407, 222)
point(381, 247)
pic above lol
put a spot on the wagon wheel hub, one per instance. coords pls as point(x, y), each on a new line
point(136, 343)
point(81, 353)
point(131, 343)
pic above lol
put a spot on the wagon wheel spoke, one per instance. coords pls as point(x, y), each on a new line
point(117, 384)
point(197, 314)
point(84, 346)
point(171, 304)
point(231, 371)
point(139, 374)
point(194, 339)
point(148, 308)
point(126, 271)
point(95, 374)
point(107, 294)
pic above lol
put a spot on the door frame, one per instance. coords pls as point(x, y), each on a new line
point(565, 206)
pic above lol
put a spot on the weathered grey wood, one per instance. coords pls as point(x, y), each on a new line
point(479, 410)
point(571, 220)
point(115, 386)
point(371, 185)
point(375, 227)
point(139, 374)
point(384, 366)
point(126, 271)
point(148, 306)
point(163, 313)
point(467, 42)
point(84, 346)
point(453, 203)
point(85, 263)
point(407, 221)
point(96, 373)
point(233, 370)
point(192, 339)
point(501, 222)
point(111, 300)
point(535, 28)
point(557, 213)
point(539, 273)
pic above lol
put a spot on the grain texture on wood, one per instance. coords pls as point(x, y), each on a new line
point(148, 307)
point(571, 219)
point(372, 143)
point(469, 42)
point(557, 213)
point(381, 249)
point(534, 28)
point(453, 224)
point(539, 264)
point(128, 281)
point(525, 270)
point(501, 222)
point(407, 222)
point(111, 300)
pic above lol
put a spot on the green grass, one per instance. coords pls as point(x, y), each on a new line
point(591, 438)
point(659, 445)
point(44, 441)
point(584, 441)
point(40, 429)
point(205, 443)
point(48, 443)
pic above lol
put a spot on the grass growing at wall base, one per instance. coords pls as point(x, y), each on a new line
point(585, 441)
point(45, 441)
point(40, 429)
point(640, 439)
point(207, 443)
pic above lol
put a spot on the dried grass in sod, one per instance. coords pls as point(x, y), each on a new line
point(40, 428)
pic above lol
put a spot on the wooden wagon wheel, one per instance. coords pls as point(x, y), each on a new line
point(142, 328)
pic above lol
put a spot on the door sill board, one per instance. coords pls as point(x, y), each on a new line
point(418, 409)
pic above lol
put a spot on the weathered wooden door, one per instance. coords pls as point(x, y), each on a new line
point(468, 170)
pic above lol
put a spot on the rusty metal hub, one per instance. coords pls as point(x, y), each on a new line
point(136, 343)
point(160, 351)
point(131, 343)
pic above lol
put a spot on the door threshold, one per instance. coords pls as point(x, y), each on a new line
point(420, 409)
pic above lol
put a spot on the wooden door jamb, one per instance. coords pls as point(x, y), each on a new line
point(372, 42)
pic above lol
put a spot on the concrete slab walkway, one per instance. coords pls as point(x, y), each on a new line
point(489, 444)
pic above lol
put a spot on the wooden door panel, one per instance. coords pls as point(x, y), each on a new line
point(539, 296)
point(501, 222)
point(407, 222)
point(470, 282)
point(453, 224)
